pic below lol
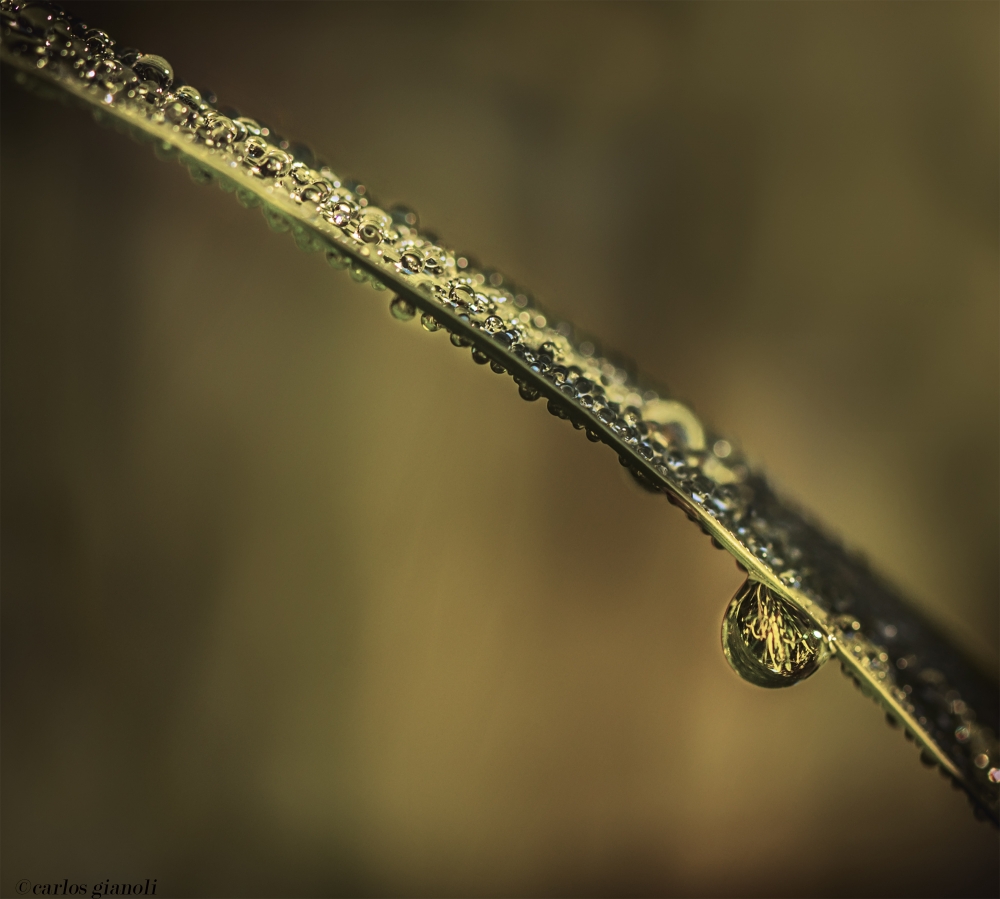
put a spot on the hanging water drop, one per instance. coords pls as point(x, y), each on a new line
point(429, 323)
point(767, 641)
point(337, 258)
point(402, 309)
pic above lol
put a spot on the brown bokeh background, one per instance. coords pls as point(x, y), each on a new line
point(298, 600)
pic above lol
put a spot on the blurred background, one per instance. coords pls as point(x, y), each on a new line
point(299, 601)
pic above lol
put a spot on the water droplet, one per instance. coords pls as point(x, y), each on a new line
point(337, 258)
point(307, 239)
point(429, 323)
point(434, 263)
point(767, 641)
point(274, 163)
point(339, 213)
point(317, 193)
point(459, 340)
point(402, 309)
point(275, 220)
point(247, 127)
point(111, 75)
point(493, 324)
point(299, 172)
point(527, 392)
point(254, 149)
point(247, 198)
point(178, 111)
point(479, 357)
point(156, 69)
point(127, 55)
point(98, 42)
point(191, 96)
point(462, 294)
point(217, 131)
point(370, 232)
point(410, 263)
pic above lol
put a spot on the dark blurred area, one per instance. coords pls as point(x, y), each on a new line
point(299, 601)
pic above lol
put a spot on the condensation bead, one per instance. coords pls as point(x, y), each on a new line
point(299, 172)
point(191, 96)
point(98, 42)
point(155, 69)
point(339, 214)
point(434, 263)
point(316, 193)
point(179, 112)
point(429, 323)
point(248, 125)
point(411, 263)
point(275, 220)
point(370, 232)
point(218, 131)
point(254, 150)
point(402, 309)
point(274, 163)
point(337, 258)
point(462, 294)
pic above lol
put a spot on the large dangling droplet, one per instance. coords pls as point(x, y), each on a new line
point(767, 641)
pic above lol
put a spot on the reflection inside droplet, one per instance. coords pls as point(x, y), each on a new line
point(767, 641)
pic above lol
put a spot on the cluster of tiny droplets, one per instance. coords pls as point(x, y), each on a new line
point(703, 474)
